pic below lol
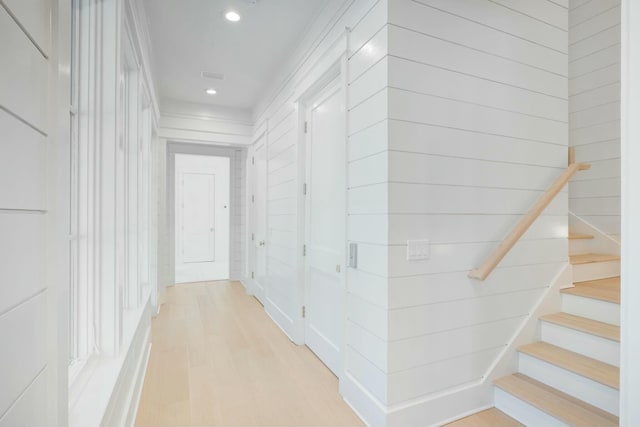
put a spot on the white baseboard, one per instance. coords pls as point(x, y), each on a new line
point(123, 404)
point(281, 319)
point(367, 407)
point(429, 411)
point(141, 374)
point(248, 285)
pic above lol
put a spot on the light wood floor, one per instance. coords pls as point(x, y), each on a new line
point(217, 359)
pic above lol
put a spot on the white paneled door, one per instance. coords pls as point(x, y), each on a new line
point(325, 230)
point(202, 218)
point(198, 214)
point(259, 201)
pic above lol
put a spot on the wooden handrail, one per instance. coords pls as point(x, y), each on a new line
point(512, 238)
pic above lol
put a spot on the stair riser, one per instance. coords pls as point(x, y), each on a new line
point(591, 308)
point(592, 392)
point(522, 411)
point(593, 346)
point(581, 246)
point(595, 271)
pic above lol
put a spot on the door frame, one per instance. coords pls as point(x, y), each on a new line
point(184, 147)
point(252, 289)
point(338, 70)
point(630, 205)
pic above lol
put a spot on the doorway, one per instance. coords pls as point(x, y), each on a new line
point(325, 224)
point(202, 219)
point(259, 213)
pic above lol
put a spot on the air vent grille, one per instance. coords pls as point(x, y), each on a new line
point(213, 76)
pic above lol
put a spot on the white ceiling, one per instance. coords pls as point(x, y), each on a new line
point(192, 36)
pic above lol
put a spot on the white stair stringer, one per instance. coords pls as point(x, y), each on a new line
point(578, 386)
point(599, 348)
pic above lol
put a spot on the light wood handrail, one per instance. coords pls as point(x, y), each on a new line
point(516, 233)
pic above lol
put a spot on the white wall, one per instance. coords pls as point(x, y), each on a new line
point(31, 172)
point(185, 121)
point(630, 150)
point(277, 119)
point(477, 98)
point(594, 107)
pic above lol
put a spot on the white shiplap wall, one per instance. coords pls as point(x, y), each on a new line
point(25, 127)
point(278, 118)
point(282, 297)
point(594, 111)
point(477, 125)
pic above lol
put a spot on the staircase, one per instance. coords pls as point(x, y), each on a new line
point(571, 376)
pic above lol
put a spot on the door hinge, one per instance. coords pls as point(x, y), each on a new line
point(253, 198)
point(253, 160)
point(253, 237)
point(252, 275)
point(304, 250)
point(304, 311)
point(304, 188)
point(306, 127)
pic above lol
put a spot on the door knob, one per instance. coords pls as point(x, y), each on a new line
point(262, 243)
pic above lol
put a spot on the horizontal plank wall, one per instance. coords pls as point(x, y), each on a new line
point(367, 201)
point(186, 121)
point(594, 111)
point(477, 125)
point(359, 23)
point(26, 368)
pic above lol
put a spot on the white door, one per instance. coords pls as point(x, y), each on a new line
point(325, 229)
point(260, 220)
point(198, 213)
point(202, 196)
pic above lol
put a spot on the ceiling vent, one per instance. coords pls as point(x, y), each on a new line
point(213, 76)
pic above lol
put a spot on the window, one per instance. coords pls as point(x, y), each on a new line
point(111, 203)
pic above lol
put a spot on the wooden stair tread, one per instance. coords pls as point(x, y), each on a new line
point(603, 289)
point(593, 369)
point(556, 403)
point(591, 258)
point(578, 236)
point(491, 417)
point(590, 326)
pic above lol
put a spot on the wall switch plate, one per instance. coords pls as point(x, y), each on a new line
point(418, 250)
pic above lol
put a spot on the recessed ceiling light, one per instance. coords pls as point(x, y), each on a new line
point(211, 91)
point(232, 16)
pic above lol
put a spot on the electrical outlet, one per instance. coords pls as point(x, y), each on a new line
point(418, 250)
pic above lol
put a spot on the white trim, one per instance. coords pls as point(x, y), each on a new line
point(630, 213)
point(106, 396)
point(139, 383)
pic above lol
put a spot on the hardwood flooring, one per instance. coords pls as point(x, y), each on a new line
point(488, 418)
point(217, 359)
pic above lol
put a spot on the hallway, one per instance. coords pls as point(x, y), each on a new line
point(218, 360)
